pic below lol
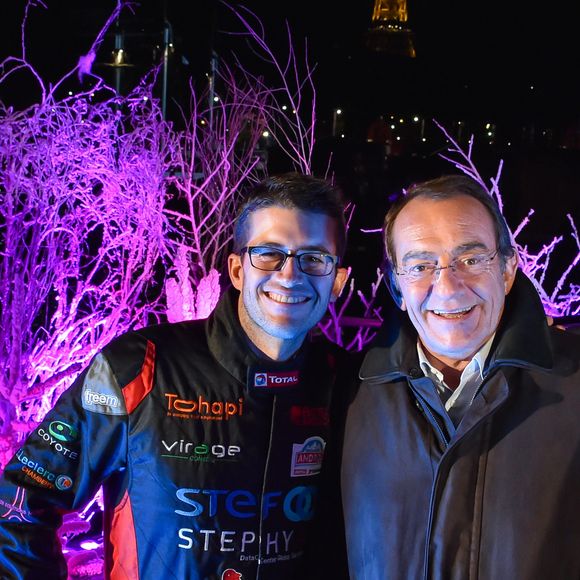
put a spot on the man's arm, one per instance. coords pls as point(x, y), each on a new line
point(58, 469)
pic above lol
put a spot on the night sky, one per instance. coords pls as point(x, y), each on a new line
point(475, 60)
point(477, 57)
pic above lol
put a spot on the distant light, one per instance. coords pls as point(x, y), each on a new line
point(202, 122)
point(398, 138)
point(487, 125)
point(392, 126)
point(460, 123)
point(89, 545)
point(266, 134)
point(293, 111)
point(401, 120)
point(392, 117)
point(415, 119)
point(145, 98)
point(531, 87)
point(70, 93)
point(490, 133)
point(509, 143)
point(284, 107)
point(423, 139)
point(342, 135)
point(339, 111)
point(216, 99)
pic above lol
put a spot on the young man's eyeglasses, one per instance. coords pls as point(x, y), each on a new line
point(463, 266)
point(273, 259)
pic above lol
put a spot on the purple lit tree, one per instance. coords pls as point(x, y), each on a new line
point(212, 159)
point(82, 192)
point(562, 300)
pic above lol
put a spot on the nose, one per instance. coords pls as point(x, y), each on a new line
point(290, 270)
point(446, 279)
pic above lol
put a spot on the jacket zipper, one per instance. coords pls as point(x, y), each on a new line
point(264, 480)
point(436, 480)
point(433, 421)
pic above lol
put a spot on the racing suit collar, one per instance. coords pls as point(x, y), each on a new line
point(234, 351)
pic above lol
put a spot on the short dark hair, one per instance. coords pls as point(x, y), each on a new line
point(447, 187)
point(292, 191)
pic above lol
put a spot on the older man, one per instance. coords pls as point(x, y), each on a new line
point(462, 446)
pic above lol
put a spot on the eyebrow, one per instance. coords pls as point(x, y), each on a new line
point(457, 251)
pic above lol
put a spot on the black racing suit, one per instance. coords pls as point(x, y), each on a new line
point(209, 457)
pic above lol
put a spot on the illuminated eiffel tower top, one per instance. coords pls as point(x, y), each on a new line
point(389, 32)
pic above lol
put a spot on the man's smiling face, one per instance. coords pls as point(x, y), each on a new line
point(280, 307)
point(454, 314)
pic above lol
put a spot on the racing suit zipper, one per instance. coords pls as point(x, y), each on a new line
point(264, 481)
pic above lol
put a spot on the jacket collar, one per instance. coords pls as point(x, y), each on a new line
point(522, 339)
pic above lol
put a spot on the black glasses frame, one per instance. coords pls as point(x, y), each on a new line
point(285, 254)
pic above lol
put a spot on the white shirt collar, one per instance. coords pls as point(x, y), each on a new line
point(472, 375)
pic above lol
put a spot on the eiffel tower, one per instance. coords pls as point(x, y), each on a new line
point(389, 32)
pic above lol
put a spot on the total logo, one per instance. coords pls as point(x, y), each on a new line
point(269, 380)
point(231, 574)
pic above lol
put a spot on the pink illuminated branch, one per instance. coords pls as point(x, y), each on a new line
point(559, 302)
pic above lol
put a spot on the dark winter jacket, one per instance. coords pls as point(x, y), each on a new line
point(496, 498)
point(209, 458)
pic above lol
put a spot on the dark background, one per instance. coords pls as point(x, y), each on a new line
point(509, 64)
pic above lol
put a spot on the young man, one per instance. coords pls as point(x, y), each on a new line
point(462, 447)
point(207, 436)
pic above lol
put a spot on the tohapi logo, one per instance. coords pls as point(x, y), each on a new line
point(201, 408)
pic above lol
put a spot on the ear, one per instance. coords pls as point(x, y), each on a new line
point(393, 286)
point(509, 273)
point(340, 279)
point(236, 271)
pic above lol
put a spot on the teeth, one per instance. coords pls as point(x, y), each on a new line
point(453, 313)
point(286, 299)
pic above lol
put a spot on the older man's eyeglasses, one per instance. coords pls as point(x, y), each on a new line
point(273, 259)
point(463, 266)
